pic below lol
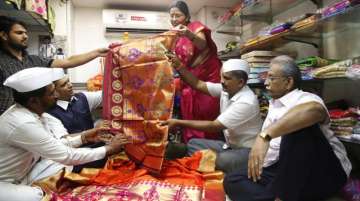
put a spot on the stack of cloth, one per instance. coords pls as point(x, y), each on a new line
point(346, 123)
point(338, 7)
point(263, 98)
point(259, 61)
point(334, 70)
point(308, 64)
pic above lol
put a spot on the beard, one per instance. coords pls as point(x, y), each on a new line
point(17, 46)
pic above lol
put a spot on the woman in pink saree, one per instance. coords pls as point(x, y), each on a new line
point(198, 52)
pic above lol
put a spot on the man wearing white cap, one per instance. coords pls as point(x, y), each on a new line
point(239, 119)
point(26, 138)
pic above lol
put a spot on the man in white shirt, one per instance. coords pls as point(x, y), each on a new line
point(239, 119)
point(26, 136)
point(296, 157)
point(74, 110)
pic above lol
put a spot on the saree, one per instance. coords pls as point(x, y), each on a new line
point(187, 179)
point(195, 105)
point(138, 92)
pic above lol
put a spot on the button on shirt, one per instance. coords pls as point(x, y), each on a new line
point(239, 114)
point(9, 65)
point(25, 137)
point(279, 107)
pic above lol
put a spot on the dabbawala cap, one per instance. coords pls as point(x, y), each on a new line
point(31, 79)
point(236, 64)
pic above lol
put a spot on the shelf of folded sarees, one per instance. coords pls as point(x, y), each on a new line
point(138, 93)
point(308, 30)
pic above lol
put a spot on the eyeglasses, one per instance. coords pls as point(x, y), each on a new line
point(273, 78)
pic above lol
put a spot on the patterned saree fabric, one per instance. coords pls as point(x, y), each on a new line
point(187, 179)
point(138, 93)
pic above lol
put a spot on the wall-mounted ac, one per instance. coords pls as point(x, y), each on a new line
point(117, 21)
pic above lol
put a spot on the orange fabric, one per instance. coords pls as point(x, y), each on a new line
point(138, 92)
point(121, 179)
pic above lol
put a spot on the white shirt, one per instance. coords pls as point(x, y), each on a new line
point(240, 115)
point(279, 107)
point(25, 137)
point(94, 100)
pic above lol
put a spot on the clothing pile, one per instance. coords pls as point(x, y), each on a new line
point(259, 61)
point(338, 7)
point(191, 178)
point(263, 98)
point(307, 65)
point(346, 123)
point(334, 70)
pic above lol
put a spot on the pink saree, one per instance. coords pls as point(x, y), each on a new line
point(194, 104)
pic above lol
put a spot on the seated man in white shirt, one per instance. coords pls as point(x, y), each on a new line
point(26, 136)
point(296, 157)
point(74, 110)
point(239, 119)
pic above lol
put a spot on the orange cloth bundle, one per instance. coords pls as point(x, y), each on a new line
point(95, 83)
point(138, 92)
point(192, 178)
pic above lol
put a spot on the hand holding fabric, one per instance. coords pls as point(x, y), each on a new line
point(184, 31)
point(171, 123)
point(102, 52)
point(175, 61)
point(256, 158)
point(117, 143)
point(94, 135)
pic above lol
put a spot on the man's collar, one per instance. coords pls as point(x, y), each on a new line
point(65, 104)
point(241, 92)
point(286, 99)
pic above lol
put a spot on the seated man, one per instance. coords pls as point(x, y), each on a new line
point(296, 157)
point(26, 137)
point(239, 119)
point(74, 110)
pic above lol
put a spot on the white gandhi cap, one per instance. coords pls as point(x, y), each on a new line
point(235, 64)
point(31, 79)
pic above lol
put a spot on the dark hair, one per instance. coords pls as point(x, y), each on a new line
point(288, 68)
point(6, 23)
point(23, 97)
point(183, 7)
point(239, 74)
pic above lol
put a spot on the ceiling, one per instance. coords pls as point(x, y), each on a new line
point(158, 5)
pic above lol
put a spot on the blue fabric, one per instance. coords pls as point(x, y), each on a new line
point(77, 117)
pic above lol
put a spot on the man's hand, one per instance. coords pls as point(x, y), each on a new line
point(117, 143)
point(94, 135)
point(171, 123)
point(256, 158)
point(102, 52)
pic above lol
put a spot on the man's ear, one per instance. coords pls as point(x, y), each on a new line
point(3, 35)
point(290, 84)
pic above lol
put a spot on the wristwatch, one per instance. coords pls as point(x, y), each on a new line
point(264, 135)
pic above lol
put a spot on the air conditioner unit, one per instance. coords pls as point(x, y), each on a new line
point(117, 21)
